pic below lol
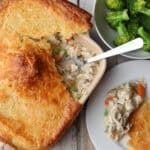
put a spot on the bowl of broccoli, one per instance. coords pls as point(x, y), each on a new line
point(119, 21)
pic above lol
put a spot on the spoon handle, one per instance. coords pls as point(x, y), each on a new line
point(127, 47)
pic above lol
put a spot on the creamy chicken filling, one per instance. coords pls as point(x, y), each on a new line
point(119, 104)
point(70, 59)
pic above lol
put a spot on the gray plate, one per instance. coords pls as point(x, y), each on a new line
point(107, 34)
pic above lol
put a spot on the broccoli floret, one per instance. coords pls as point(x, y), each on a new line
point(145, 22)
point(114, 18)
point(138, 6)
point(123, 35)
point(146, 37)
point(148, 3)
point(132, 26)
point(115, 4)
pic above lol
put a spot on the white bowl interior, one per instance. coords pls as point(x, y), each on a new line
point(88, 43)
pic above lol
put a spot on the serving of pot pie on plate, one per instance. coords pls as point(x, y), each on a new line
point(39, 96)
point(118, 116)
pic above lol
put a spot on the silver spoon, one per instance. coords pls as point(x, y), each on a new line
point(127, 47)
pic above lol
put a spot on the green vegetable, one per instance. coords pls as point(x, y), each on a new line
point(126, 17)
point(59, 51)
point(105, 112)
point(123, 35)
point(115, 4)
point(148, 3)
point(65, 53)
point(146, 37)
point(145, 21)
point(78, 95)
point(75, 92)
point(138, 6)
point(132, 26)
point(74, 89)
point(115, 17)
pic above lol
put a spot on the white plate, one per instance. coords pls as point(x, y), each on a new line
point(121, 73)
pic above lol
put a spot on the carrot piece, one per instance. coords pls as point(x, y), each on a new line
point(108, 99)
point(140, 89)
point(106, 102)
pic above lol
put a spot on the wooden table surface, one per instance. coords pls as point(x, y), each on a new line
point(77, 138)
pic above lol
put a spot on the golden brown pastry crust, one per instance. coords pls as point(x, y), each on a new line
point(35, 106)
point(140, 132)
point(43, 18)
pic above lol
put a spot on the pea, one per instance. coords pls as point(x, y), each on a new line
point(105, 112)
